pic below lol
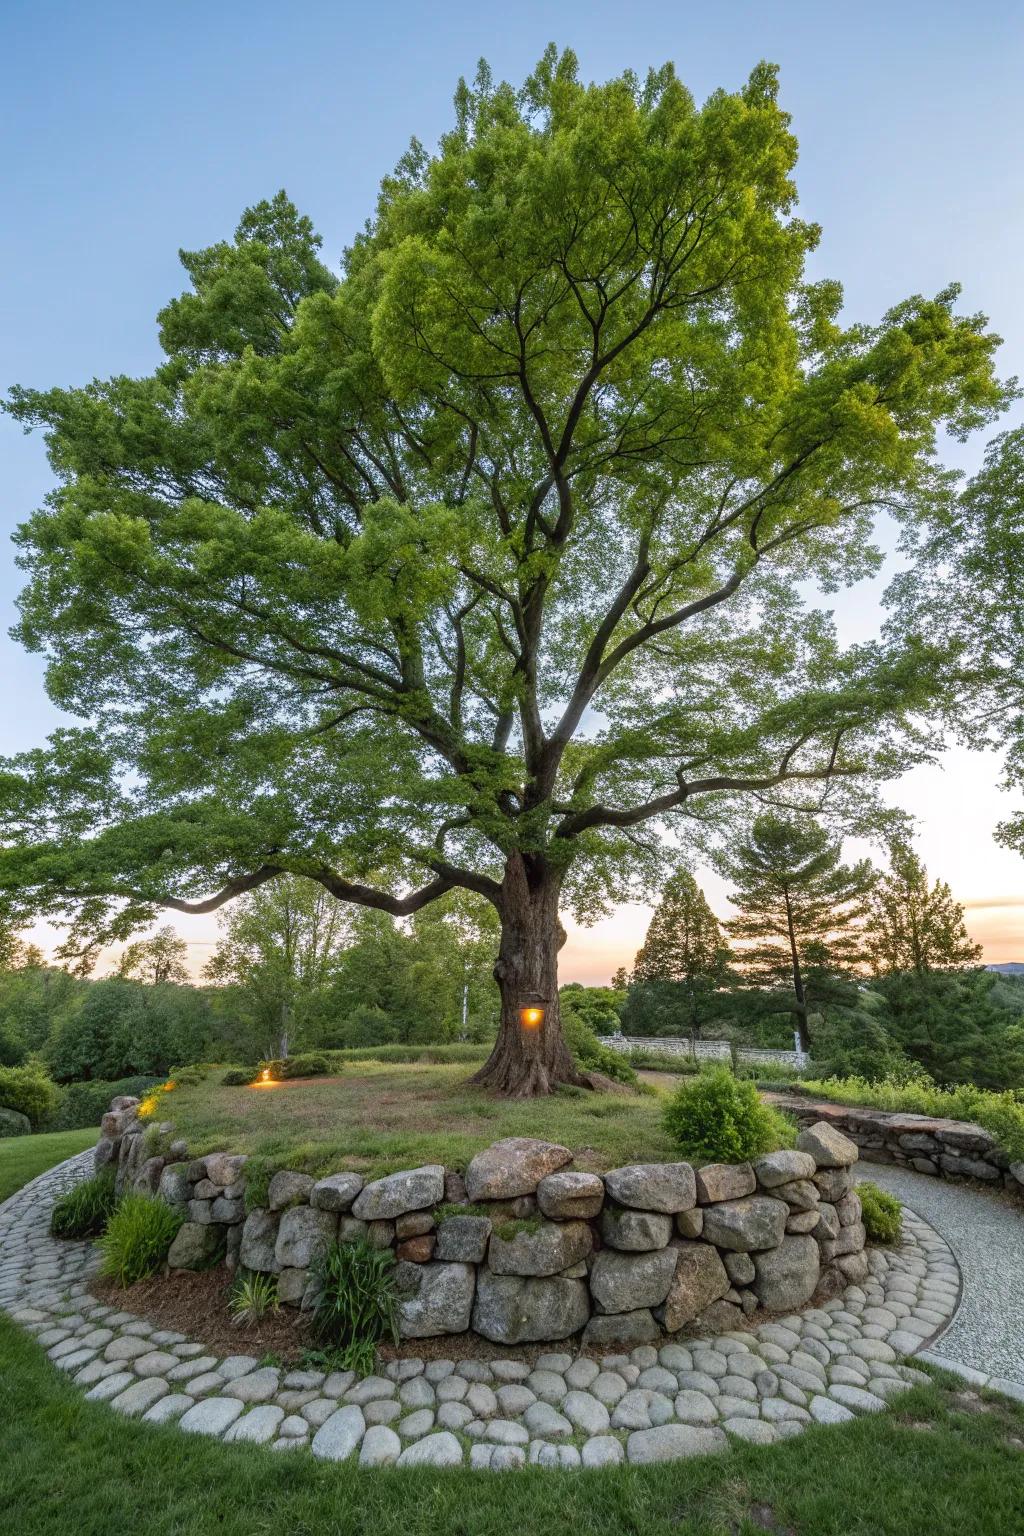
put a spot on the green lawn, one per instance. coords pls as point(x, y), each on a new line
point(22, 1157)
point(380, 1116)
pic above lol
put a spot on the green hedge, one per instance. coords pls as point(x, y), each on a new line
point(82, 1105)
point(1000, 1113)
point(30, 1092)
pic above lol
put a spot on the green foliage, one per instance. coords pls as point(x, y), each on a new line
point(252, 1296)
point(881, 1213)
point(654, 1061)
point(126, 1028)
point(1000, 1113)
point(914, 926)
point(502, 543)
point(435, 1055)
point(85, 1210)
point(590, 1053)
point(801, 911)
point(506, 1228)
point(138, 1237)
point(718, 1119)
point(84, 1104)
point(953, 1025)
point(683, 964)
point(239, 1077)
point(357, 1305)
point(308, 1064)
point(28, 1090)
point(600, 1008)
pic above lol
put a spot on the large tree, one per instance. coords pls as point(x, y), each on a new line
point(281, 948)
point(686, 949)
point(917, 926)
point(477, 566)
point(965, 580)
point(801, 910)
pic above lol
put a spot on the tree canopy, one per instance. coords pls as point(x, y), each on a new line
point(915, 926)
point(471, 566)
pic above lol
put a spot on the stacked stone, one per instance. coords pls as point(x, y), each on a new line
point(528, 1249)
point(211, 1192)
point(943, 1148)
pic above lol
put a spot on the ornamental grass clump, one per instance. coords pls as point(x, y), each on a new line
point(358, 1303)
point(881, 1213)
point(716, 1118)
point(85, 1210)
point(138, 1237)
point(252, 1297)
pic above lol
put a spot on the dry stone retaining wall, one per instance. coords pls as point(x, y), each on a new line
point(526, 1248)
point(951, 1149)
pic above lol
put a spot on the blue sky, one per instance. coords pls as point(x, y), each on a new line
point(133, 130)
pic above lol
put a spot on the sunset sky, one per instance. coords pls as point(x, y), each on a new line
point(135, 130)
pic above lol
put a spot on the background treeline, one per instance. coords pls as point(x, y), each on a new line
point(875, 972)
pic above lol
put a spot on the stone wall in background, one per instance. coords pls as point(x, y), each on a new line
point(950, 1149)
point(524, 1247)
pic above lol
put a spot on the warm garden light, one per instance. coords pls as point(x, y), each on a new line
point(265, 1075)
point(532, 1016)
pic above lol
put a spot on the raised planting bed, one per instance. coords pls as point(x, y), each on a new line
point(523, 1245)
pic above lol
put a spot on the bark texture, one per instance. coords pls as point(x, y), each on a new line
point(526, 1061)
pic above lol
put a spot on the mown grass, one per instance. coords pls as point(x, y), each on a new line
point(23, 1157)
point(380, 1116)
point(933, 1464)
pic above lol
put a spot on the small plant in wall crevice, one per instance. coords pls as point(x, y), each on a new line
point(357, 1305)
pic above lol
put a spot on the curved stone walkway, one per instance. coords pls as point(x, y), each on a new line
point(985, 1339)
point(826, 1365)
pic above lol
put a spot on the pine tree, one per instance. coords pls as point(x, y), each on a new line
point(801, 910)
point(915, 927)
point(685, 947)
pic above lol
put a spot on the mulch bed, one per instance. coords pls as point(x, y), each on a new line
point(195, 1303)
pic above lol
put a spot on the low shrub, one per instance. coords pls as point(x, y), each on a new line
point(239, 1077)
point(81, 1105)
point(252, 1297)
point(1000, 1113)
point(882, 1214)
point(358, 1303)
point(28, 1090)
point(717, 1118)
point(590, 1053)
point(85, 1210)
point(137, 1239)
point(312, 1064)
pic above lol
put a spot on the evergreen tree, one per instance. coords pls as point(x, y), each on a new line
point(801, 911)
point(914, 926)
point(686, 949)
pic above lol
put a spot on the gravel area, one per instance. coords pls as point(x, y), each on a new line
point(693, 1396)
point(986, 1234)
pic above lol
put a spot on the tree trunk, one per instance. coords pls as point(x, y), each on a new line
point(798, 983)
point(530, 1057)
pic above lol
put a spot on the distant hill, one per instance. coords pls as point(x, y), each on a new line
point(1008, 968)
